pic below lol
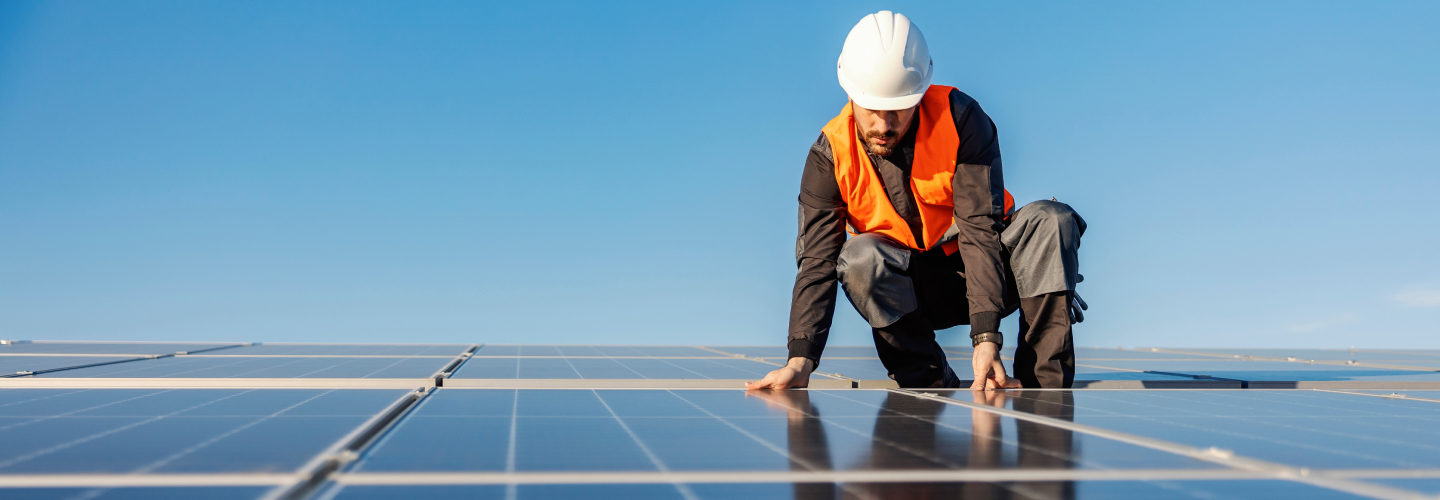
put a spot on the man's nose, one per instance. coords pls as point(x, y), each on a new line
point(885, 126)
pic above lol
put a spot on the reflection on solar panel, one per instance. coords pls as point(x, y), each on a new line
point(372, 421)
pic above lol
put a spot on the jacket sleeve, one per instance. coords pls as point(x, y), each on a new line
point(817, 248)
point(979, 190)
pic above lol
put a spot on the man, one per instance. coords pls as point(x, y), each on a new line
point(913, 172)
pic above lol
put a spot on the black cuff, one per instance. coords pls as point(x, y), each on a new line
point(804, 348)
point(984, 322)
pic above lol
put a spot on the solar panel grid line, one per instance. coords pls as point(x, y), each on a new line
point(360, 356)
point(511, 489)
point(773, 363)
point(1277, 441)
point(628, 367)
point(1385, 396)
point(375, 344)
point(1402, 431)
point(681, 488)
point(941, 461)
point(1367, 364)
point(31, 373)
point(571, 477)
point(384, 437)
point(147, 468)
point(216, 348)
point(807, 464)
point(1242, 383)
point(315, 473)
point(1006, 440)
point(134, 342)
point(592, 383)
point(264, 367)
point(1344, 384)
point(501, 356)
point(85, 439)
point(72, 412)
point(1214, 455)
point(701, 375)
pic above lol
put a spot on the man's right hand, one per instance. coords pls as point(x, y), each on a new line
point(989, 370)
point(795, 373)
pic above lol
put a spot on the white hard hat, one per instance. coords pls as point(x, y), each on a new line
point(885, 63)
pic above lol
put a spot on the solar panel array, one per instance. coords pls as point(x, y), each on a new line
point(87, 420)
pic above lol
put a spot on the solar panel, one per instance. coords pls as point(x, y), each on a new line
point(1428, 486)
point(18, 364)
point(612, 368)
point(165, 493)
point(779, 352)
point(1329, 354)
point(1267, 370)
point(262, 367)
point(594, 350)
point(706, 430)
point(115, 348)
point(349, 350)
point(223, 425)
point(157, 431)
point(1300, 428)
point(1091, 353)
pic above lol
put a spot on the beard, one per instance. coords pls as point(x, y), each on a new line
point(878, 149)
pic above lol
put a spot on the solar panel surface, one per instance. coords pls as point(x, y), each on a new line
point(116, 348)
point(16, 364)
point(1268, 370)
point(164, 493)
point(612, 368)
point(1302, 428)
point(223, 424)
point(184, 430)
point(682, 430)
point(263, 367)
point(349, 350)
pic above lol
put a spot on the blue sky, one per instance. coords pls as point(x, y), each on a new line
point(1253, 173)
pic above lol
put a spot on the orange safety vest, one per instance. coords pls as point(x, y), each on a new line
point(936, 144)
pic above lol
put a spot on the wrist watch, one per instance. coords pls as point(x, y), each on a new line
point(996, 337)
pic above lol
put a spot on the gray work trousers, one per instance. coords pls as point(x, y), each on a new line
point(906, 295)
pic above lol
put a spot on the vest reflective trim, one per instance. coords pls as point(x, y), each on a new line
point(936, 144)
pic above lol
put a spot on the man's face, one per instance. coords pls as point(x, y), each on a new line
point(882, 130)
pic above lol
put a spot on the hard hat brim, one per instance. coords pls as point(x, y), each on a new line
point(878, 103)
point(887, 103)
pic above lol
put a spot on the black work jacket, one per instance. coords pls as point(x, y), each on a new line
point(979, 186)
